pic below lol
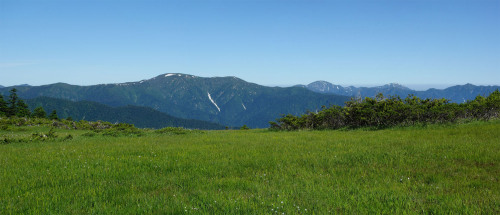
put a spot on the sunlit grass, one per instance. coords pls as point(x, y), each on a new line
point(435, 169)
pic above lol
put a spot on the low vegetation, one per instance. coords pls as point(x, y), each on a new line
point(381, 112)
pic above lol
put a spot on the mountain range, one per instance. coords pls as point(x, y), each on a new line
point(228, 101)
point(457, 94)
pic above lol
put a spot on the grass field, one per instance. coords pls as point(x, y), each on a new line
point(434, 169)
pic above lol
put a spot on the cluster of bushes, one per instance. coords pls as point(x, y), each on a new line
point(9, 123)
point(94, 128)
point(51, 135)
point(381, 112)
point(36, 137)
point(120, 129)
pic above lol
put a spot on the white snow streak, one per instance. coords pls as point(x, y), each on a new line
point(169, 75)
point(210, 97)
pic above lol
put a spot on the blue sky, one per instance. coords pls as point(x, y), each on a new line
point(416, 43)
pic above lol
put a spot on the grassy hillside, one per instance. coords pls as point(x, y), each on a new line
point(435, 169)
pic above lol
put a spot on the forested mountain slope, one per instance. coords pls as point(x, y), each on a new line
point(141, 117)
point(224, 100)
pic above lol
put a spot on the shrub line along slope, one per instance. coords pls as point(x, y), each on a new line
point(382, 112)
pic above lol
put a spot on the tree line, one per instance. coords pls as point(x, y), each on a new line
point(382, 112)
point(16, 107)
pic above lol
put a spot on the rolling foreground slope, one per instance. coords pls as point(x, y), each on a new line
point(451, 169)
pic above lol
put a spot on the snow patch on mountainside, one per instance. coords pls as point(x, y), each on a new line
point(168, 75)
point(213, 102)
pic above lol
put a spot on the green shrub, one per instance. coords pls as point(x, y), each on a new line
point(5, 140)
point(69, 137)
point(122, 129)
point(39, 136)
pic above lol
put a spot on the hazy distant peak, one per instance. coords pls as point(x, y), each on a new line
point(321, 82)
point(327, 87)
point(395, 85)
point(19, 85)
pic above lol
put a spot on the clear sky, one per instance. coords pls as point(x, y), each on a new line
point(269, 42)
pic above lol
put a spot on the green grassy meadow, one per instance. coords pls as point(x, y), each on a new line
point(434, 169)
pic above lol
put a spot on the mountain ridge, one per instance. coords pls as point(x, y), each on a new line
point(457, 93)
point(230, 100)
point(224, 100)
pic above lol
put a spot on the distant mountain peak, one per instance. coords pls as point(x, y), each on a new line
point(395, 85)
point(22, 85)
point(19, 85)
point(173, 75)
point(327, 87)
point(321, 82)
point(178, 75)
